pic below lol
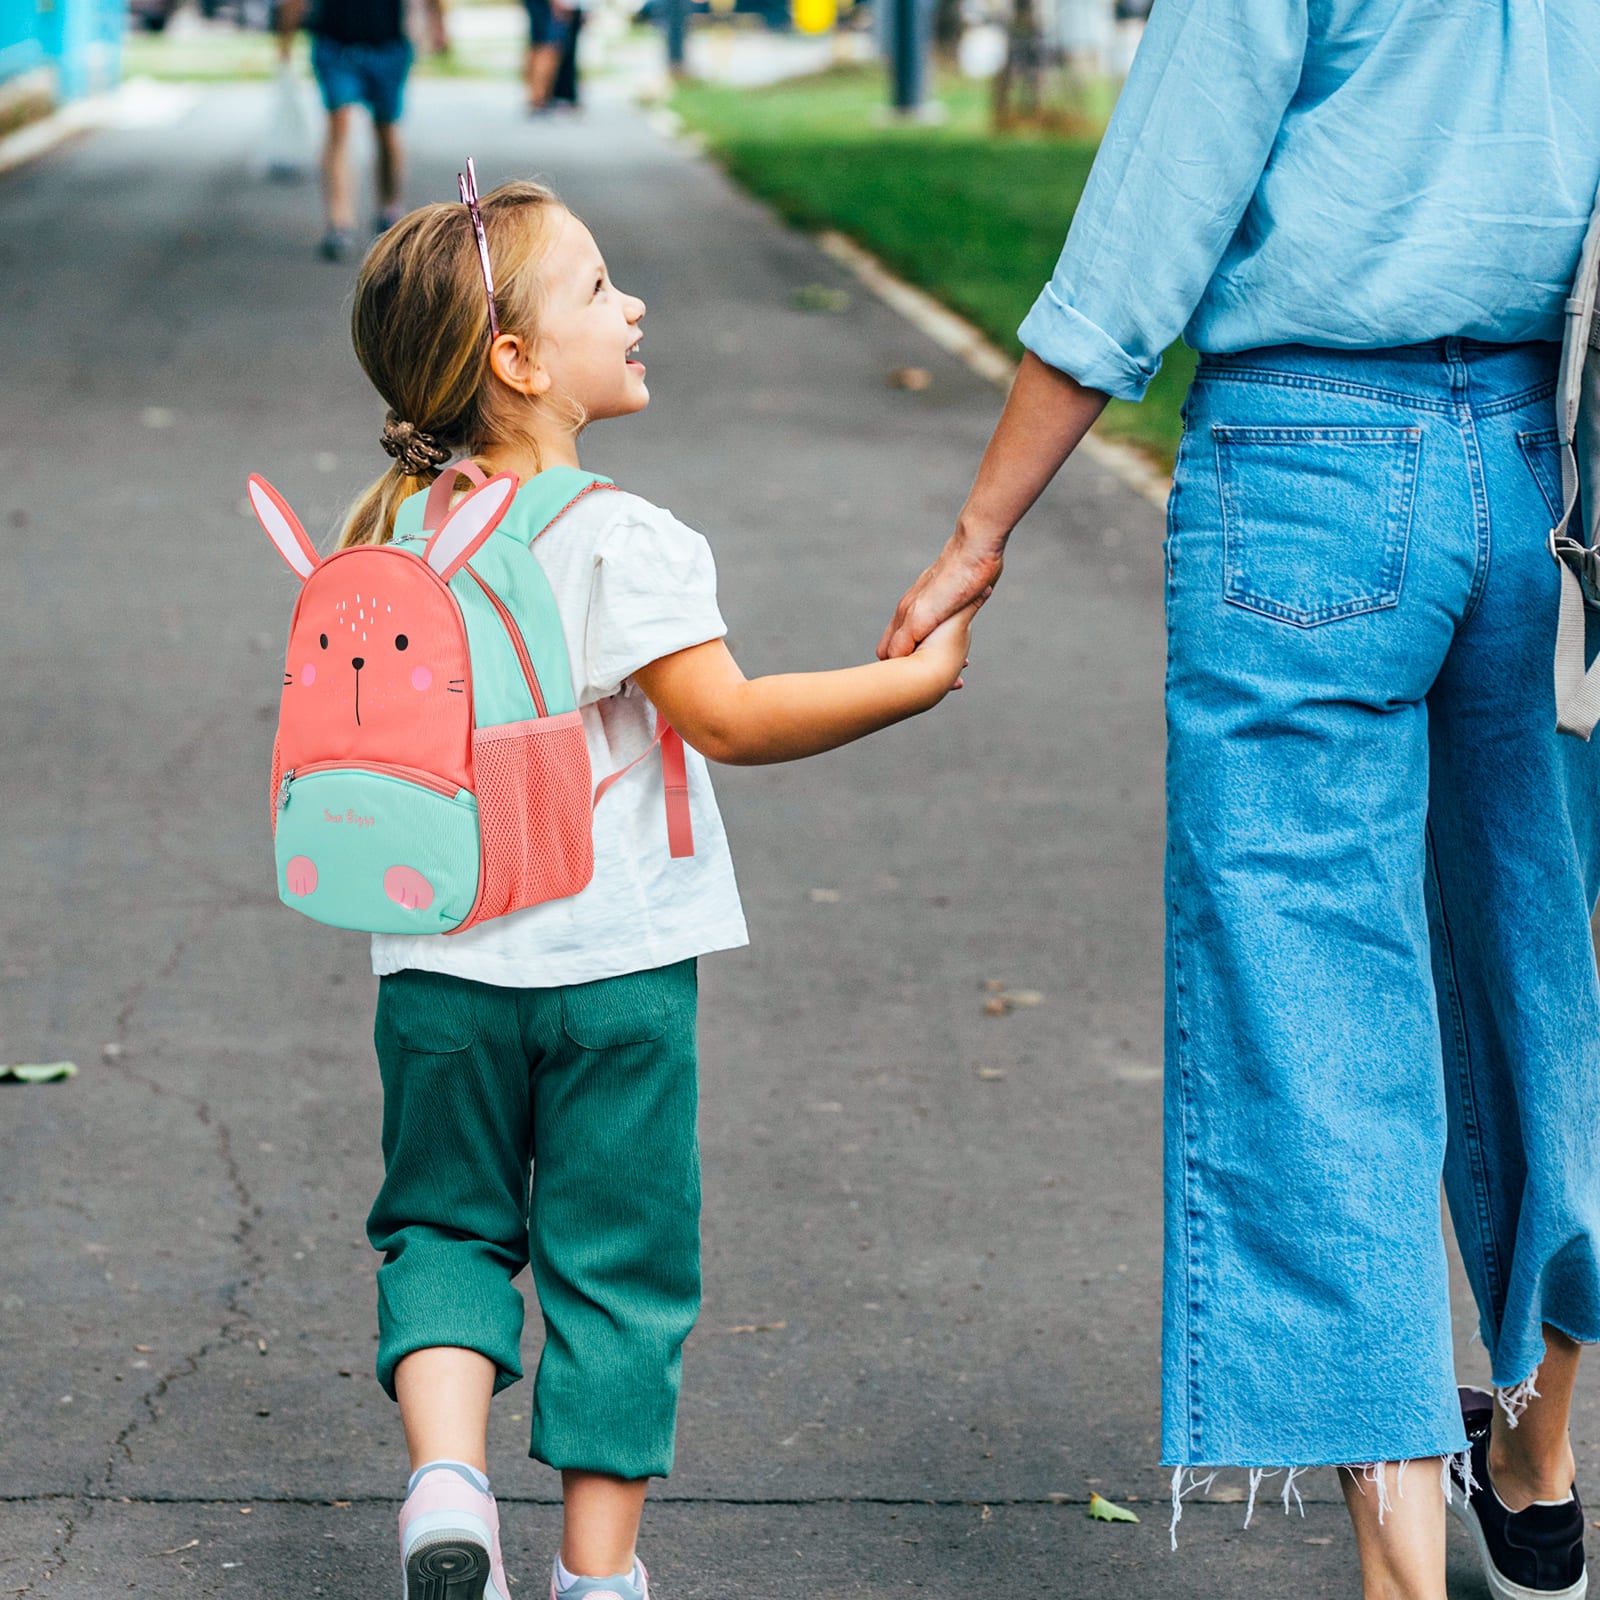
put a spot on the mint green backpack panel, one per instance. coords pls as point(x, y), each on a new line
point(335, 850)
point(506, 563)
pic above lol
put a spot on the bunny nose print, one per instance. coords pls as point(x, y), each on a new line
point(357, 662)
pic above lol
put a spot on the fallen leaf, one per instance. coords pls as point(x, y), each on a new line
point(819, 297)
point(914, 379)
point(758, 1327)
point(38, 1072)
point(1103, 1510)
point(177, 1547)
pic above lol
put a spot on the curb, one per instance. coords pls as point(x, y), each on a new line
point(963, 341)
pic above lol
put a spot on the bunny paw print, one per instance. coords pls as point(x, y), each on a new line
point(408, 888)
point(301, 875)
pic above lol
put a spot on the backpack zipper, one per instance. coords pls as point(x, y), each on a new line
point(518, 643)
point(423, 780)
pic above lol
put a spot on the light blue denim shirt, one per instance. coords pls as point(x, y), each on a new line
point(1349, 173)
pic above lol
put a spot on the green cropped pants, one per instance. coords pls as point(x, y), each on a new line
point(593, 1086)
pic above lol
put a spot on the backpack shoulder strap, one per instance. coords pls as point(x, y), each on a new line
point(539, 502)
point(547, 496)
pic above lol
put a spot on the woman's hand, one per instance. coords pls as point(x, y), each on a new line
point(1046, 414)
point(960, 580)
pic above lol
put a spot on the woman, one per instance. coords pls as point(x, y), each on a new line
point(1382, 859)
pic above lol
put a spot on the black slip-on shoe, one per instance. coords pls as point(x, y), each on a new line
point(1536, 1554)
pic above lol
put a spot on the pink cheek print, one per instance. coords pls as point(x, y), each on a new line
point(301, 875)
point(421, 678)
point(408, 888)
point(308, 674)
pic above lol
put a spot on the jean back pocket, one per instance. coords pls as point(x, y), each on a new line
point(1315, 519)
point(1542, 451)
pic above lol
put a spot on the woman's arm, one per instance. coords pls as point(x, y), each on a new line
point(1180, 162)
point(754, 721)
point(1046, 414)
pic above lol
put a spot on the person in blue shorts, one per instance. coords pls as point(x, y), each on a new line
point(360, 55)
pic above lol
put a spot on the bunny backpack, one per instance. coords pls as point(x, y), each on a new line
point(430, 769)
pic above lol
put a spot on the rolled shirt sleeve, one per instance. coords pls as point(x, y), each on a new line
point(1191, 134)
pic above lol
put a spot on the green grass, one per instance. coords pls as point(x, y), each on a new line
point(974, 218)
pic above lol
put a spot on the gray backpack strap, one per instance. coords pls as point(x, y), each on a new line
point(1577, 550)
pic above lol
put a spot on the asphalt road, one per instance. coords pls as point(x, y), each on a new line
point(946, 1224)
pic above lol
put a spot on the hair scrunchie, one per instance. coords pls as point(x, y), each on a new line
point(417, 452)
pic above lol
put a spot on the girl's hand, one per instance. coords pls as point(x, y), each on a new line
point(945, 650)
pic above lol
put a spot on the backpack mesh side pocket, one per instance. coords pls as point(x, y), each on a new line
point(536, 813)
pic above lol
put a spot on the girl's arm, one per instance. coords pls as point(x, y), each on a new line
point(750, 722)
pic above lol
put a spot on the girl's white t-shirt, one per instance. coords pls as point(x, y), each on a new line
point(632, 584)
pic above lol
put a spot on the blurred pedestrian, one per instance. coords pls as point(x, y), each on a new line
point(1382, 858)
point(550, 23)
point(360, 55)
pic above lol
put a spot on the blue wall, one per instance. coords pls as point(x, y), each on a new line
point(80, 39)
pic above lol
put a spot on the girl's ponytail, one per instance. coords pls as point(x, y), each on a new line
point(420, 324)
point(418, 455)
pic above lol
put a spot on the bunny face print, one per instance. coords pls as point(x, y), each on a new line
point(377, 667)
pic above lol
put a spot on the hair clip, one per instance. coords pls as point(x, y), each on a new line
point(467, 186)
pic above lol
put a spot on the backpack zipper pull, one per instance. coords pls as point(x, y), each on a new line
point(283, 789)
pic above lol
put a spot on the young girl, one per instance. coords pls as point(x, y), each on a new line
point(563, 1036)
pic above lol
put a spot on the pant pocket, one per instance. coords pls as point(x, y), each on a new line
point(1541, 449)
point(1315, 519)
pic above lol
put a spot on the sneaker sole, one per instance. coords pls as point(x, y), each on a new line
point(447, 1569)
point(1503, 1588)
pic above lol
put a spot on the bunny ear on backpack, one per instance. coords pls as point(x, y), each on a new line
point(466, 528)
point(283, 527)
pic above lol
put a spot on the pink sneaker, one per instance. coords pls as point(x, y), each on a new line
point(450, 1541)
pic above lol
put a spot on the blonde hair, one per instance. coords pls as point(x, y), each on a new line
point(421, 331)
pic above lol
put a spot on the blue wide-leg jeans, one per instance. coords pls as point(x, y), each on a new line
point(1381, 866)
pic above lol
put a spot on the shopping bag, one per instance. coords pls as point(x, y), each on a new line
point(289, 139)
